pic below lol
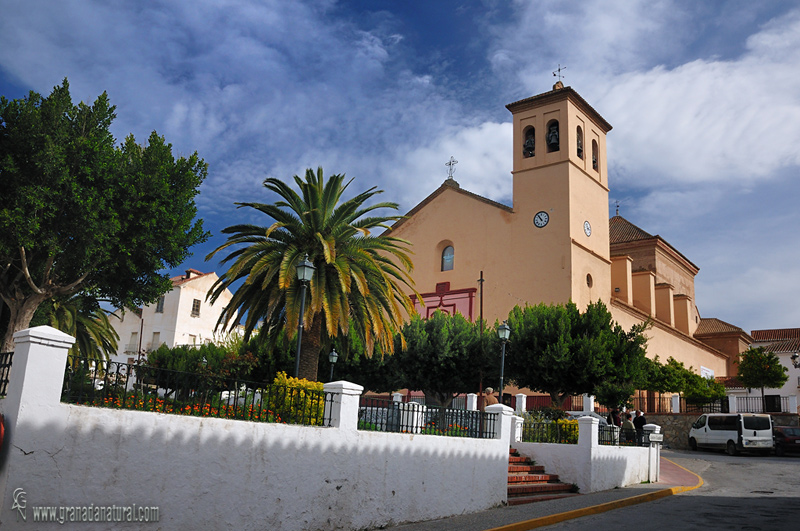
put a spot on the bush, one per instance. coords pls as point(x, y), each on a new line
point(294, 399)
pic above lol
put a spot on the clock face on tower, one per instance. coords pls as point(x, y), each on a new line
point(587, 228)
point(541, 219)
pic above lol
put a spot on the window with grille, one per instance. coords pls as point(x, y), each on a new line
point(160, 305)
point(196, 308)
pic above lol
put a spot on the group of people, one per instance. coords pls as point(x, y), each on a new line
point(632, 428)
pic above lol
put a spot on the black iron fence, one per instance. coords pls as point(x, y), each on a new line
point(717, 406)
point(614, 436)
point(559, 432)
point(5, 371)
point(117, 385)
point(375, 414)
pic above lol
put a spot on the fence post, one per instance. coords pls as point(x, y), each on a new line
point(732, 404)
point(504, 425)
point(343, 404)
point(676, 403)
point(792, 404)
point(521, 399)
point(588, 432)
point(472, 402)
point(588, 402)
point(32, 402)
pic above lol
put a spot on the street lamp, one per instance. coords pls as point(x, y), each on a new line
point(795, 360)
point(305, 270)
point(504, 332)
point(332, 357)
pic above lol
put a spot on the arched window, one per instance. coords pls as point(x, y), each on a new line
point(579, 141)
point(595, 156)
point(447, 258)
point(529, 146)
point(552, 137)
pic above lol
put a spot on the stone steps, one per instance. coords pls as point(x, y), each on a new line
point(528, 483)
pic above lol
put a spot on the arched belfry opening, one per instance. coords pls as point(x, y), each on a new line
point(552, 136)
point(579, 142)
point(529, 143)
point(595, 156)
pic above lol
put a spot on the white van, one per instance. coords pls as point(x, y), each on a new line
point(732, 432)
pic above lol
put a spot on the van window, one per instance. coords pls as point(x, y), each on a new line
point(722, 423)
point(699, 423)
point(757, 423)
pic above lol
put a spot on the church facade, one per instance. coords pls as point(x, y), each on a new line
point(556, 242)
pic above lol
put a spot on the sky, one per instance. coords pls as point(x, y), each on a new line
point(703, 97)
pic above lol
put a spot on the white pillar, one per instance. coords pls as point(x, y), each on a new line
point(397, 397)
point(521, 399)
point(31, 405)
point(792, 404)
point(472, 402)
point(732, 404)
point(588, 433)
point(503, 424)
point(676, 403)
point(343, 404)
point(588, 402)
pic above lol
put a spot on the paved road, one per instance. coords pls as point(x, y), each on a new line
point(743, 492)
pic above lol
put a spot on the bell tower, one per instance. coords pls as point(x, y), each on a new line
point(561, 197)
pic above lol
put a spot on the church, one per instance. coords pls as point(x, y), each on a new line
point(556, 242)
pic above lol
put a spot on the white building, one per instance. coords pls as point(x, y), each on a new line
point(784, 342)
point(180, 317)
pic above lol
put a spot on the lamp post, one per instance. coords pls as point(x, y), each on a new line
point(795, 360)
point(332, 357)
point(504, 332)
point(305, 270)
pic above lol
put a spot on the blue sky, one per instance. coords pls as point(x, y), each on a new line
point(704, 98)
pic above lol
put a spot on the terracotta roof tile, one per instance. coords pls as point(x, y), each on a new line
point(712, 325)
point(776, 334)
point(191, 273)
point(787, 345)
point(620, 230)
point(730, 382)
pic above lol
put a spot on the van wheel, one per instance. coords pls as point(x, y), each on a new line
point(731, 449)
point(693, 444)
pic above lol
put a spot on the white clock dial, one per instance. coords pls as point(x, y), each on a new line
point(541, 219)
point(587, 228)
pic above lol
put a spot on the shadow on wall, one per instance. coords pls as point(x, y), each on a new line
point(206, 473)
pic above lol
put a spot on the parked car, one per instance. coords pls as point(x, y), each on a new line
point(787, 439)
point(732, 432)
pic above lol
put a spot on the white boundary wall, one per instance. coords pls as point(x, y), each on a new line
point(594, 467)
point(206, 473)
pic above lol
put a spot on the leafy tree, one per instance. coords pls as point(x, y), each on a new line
point(82, 317)
point(563, 352)
point(357, 284)
point(759, 368)
point(442, 357)
point(80, 214)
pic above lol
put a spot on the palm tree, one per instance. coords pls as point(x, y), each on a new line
point(82, 317)
point(357, 285)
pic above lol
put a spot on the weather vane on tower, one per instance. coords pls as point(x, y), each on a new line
point(558, 73)
point(451, 167)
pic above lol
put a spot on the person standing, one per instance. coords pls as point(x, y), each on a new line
point(639, 423)
point(489, 399)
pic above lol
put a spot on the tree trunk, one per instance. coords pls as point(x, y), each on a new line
point(309, 349)
point(21, 313)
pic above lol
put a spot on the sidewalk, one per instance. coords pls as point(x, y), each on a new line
point(674, 479)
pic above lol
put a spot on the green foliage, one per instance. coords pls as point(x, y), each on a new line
point(304, 401)
point(561, 351)
point(698, 390)
point(443, 356)
point(759, 368)
point(82, 317)
point(80, 214)
point(358, 286)
point(549, 431)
